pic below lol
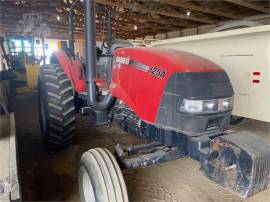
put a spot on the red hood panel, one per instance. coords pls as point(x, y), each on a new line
point(134, 82)
point(173, 60)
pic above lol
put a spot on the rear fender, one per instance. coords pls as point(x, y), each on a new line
point(73, 69)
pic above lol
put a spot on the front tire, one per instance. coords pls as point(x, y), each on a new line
point(56, 107)
point(100, 178)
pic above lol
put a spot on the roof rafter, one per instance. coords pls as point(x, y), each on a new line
point(147, 10)
point(182, 4)
point(249, 5)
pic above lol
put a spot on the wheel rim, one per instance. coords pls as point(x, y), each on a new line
point(88, 190)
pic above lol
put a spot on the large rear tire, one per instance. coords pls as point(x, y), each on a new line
point(56, 107)
point(100, 178)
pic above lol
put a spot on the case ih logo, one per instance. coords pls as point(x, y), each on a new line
point(122, 60)
point(155, 71)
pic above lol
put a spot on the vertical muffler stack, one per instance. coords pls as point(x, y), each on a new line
point(240, 162)
point(102, 103)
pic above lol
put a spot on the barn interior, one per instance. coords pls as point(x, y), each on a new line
point(30, 171)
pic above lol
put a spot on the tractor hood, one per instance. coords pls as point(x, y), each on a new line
point(154, 82)
point(169, 59)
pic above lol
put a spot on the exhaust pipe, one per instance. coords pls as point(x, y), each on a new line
point(109, 24)
point(71, 28)
point(90, 48)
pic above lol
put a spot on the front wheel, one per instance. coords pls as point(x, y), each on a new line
point(100, 178)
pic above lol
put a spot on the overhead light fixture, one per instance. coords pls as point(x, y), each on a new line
point(188, 13)
point(58, 18)
point(135, 27)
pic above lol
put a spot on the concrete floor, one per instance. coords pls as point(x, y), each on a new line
point(52, 176)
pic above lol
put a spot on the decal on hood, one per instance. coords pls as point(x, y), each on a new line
point(155, 71)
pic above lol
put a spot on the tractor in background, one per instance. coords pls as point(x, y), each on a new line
point(180, 102)
point(22, 61)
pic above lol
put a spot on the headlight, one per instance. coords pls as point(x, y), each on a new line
point(226, 104)
point(206, 106)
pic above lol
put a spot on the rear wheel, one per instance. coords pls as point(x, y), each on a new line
point(100, 178)
point(56, 106)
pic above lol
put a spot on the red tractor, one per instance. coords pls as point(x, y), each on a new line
point(179, 102)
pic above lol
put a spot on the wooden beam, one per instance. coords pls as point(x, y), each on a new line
point(249, 5)
point(160, 21)
point(14, 19)
point(167, 21)
point(144, 27)
point(64, 33)
point(64, 29)
point(182, 4)
point(146, 10)
point(132, 17)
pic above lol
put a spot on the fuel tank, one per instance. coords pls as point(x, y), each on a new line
point(152, 82)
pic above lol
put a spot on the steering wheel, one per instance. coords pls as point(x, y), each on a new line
point(104, 45)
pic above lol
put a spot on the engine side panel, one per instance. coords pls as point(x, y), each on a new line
point(140, 76)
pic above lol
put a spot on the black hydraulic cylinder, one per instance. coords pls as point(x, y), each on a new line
point(91, 58)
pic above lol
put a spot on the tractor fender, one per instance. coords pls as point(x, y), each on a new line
point(73, 69)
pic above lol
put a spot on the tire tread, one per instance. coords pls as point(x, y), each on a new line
point(59, 100)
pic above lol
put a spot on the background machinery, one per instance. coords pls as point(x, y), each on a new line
point(22, 61)
point(179, 102)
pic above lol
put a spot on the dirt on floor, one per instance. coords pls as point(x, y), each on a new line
point(52, 176)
